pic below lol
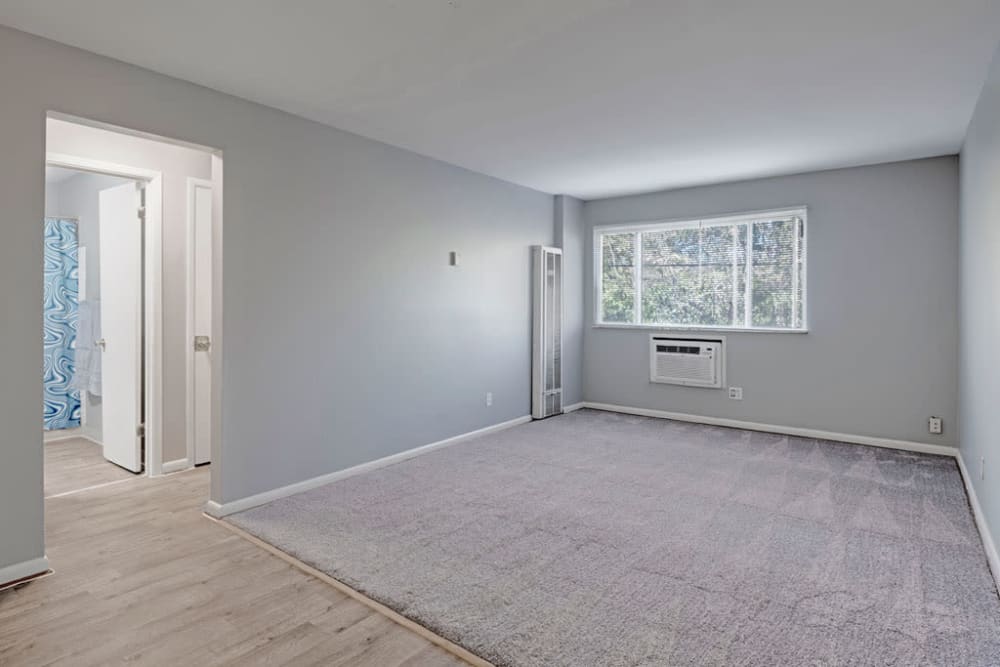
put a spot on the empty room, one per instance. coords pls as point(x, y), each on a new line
point(577, 332)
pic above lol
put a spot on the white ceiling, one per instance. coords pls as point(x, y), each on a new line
point(585, 97)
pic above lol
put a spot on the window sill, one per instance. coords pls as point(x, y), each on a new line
point(699, 330)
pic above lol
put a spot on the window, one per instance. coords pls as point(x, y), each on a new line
point(741, 272)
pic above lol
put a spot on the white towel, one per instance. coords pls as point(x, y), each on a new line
point(87, 374)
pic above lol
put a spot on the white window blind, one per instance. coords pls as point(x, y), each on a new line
point(742, 272)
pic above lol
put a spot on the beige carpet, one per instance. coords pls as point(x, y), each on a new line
point(604, 539)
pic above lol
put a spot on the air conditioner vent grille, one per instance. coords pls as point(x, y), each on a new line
point(693, 363)
point(678, 349)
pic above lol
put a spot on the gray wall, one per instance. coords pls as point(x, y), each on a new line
point(570, 237)
point(347, 335)
point(51, 199)
point(77, 197)
point(882, 349)
point(176, 164)
point(980, 307)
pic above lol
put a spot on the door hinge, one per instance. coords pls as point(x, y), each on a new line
point(142, 213)
point(140, 431)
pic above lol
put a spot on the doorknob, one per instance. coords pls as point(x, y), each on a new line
point(202, 343)
point(103, 344)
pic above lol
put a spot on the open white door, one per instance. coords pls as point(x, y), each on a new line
point(121, 324)
point(200, 319)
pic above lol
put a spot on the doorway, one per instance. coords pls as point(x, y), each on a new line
point(93, 283)
point(130, 223)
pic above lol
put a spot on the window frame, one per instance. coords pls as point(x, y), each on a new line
point(682, 223)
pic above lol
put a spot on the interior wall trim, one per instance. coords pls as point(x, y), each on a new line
point(76, 435)
point(22, 572)
point(62, 434)
point(176, 465)
point(219, 510)
point(889, 443)
point(992, 557)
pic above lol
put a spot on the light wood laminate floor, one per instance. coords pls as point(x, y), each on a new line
point(77, 463)
point(142, 577)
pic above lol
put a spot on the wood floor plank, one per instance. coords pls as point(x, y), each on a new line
point(373, 641)
point(77, 463)
point(142, 577)
point(248, 632)
point(282, 649)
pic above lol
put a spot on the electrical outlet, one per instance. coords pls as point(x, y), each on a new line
point(934, 425)
point(736, 393)
point(489, 399)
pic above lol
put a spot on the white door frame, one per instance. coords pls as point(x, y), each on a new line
point(153, 296)
point(190, 358)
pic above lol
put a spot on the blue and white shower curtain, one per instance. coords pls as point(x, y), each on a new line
point(60, 313)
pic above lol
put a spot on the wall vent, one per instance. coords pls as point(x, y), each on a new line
point(546, 357)
point(688, 362)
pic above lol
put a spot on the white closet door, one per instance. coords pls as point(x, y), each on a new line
point(121, 324)
point(200, 294)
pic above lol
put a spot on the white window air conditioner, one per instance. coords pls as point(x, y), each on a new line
point(688, 362)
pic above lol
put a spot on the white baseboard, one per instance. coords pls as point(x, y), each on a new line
point(174, 466)
point(70, 434)
point(91, 434)
point(62, 434)
point(984, 530)
point(574, 407)
point(219, 510)
point(921, 447)
point(29, 569)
